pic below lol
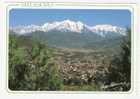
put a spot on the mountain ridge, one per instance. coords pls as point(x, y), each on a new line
point(70, 26)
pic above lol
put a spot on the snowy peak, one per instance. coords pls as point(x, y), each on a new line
point(106, 28)
point(63, 26)
point(70, 26)
point(26, 29)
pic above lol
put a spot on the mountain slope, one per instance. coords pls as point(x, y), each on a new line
point(75, 40)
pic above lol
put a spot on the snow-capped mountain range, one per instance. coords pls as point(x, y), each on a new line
point(70, 26)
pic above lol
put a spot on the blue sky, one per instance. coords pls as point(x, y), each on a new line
point(90, 17)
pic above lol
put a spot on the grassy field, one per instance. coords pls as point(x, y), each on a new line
point(81, 88)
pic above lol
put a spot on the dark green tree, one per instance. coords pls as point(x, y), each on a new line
point(17, 64)
point(31, 67)
point(120, 67)
point(44, 70)
point(126, 57)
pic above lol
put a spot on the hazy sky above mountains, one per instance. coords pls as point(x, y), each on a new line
point(90, 17)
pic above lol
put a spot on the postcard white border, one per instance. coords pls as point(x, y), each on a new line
point(130, 7)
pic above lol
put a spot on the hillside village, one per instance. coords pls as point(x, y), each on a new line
point(81, 67)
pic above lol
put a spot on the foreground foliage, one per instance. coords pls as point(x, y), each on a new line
point(31, 67)
point(120, 68)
